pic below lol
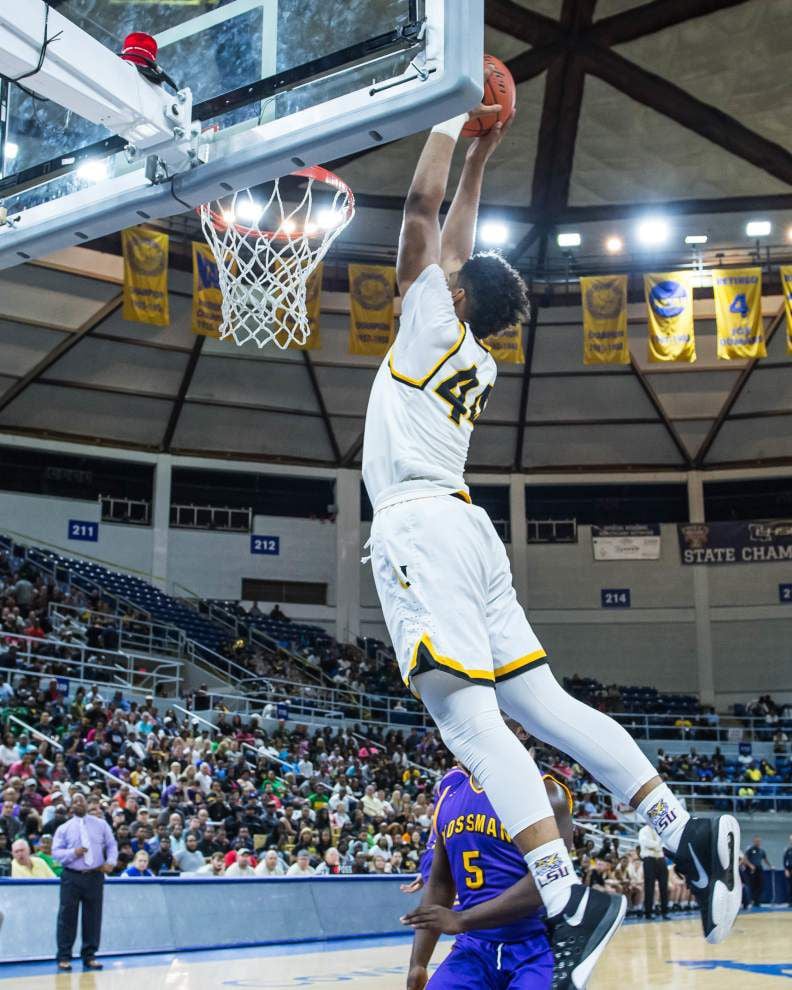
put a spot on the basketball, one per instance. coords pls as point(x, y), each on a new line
point(499, 88)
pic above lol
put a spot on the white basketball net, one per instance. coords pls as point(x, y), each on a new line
point(267, 249)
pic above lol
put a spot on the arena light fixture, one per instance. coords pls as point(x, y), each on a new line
point(653, 231)
point(11, 150)
point(569, 240)
point(247, 210)
point(789, 233)
point(758, 228)
point(696, 239)
point(92, 170)
point(494, 232)
point(329, 218)
point(614, 245)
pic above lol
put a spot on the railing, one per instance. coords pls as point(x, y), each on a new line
point(211, 517)
point(65, 577)
point(244, 629)
point(723, 796)
point(137, 635)
point(727, 728)
point(552, 530)
point(86, 665)
point(275, 698)
point(134, 511)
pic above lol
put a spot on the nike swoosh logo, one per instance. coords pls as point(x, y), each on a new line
point(703, 879)
point(577, 917)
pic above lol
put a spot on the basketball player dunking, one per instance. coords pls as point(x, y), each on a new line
point(463, 642)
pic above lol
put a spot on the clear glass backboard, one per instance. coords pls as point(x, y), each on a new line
point(276, 84)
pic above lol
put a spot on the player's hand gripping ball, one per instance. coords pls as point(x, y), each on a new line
point(498, 103)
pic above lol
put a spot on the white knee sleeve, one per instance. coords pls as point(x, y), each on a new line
point(471, 725)
point(598, 743)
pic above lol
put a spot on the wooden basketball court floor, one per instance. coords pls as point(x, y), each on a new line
point(656, 955)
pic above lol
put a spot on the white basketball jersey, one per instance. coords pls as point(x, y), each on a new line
point(428, 393)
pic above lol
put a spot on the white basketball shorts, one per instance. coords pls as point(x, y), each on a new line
point(444, 582)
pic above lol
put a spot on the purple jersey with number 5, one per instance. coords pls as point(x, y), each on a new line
point(484, 861)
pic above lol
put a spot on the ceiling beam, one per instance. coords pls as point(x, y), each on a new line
point(322, 407)
point(703, 119)
point(608, 211)
point(522, 245)
point(652, 396)
point(544, 163)
point(736, 392)
point(638, 22)
point(533, 324)
point(521, 23)
point(680, 207)
point(178, 405)
point(57, 352)
point(348, 459)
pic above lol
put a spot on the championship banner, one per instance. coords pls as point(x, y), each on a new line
point(371, 292)
point(669, 298)
point(145, 276)
point(738, 312)
point(604, 300)
point(207, 297)
point(736, 542)
point(626, 542)
point(313, 305)
point(786, 282)
point(507, 347)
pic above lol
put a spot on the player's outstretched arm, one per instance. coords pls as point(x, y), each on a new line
point(459, 230)
point(440, 890)
point(419, 240)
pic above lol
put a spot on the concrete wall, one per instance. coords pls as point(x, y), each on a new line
point(170, 915)
point(657, 641)
point(44, 519)
point(213, 565)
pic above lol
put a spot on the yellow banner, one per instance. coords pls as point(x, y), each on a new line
point(371, 291)
point(145, 276)
point(604, 299)
point(669, 298)
point(507, 347)
point(786, 284)
point(738, 313)
point(207, 297)
point(313, 304)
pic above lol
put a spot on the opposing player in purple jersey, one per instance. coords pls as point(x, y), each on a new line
point(500, 923)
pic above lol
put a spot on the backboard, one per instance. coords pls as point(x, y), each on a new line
point(276, 85)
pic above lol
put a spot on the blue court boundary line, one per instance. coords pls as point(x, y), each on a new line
point(143, 958)
point(229, 947)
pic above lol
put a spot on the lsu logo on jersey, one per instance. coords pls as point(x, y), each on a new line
point(661, 815)
point(546, 869)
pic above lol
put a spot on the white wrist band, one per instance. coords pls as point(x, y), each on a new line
point(451, 128)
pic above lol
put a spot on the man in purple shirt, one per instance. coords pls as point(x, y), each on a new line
point(87, 849)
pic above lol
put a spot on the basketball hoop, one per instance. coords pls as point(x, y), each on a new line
point(266, 250)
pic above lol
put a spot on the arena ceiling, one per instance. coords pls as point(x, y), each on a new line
point(676, 105)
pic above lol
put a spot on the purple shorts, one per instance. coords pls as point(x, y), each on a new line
point(480, 964)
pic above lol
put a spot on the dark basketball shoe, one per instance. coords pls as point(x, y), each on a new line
point(709, 859)
point(578, 935)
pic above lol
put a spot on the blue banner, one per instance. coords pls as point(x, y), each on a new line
point(736, 542)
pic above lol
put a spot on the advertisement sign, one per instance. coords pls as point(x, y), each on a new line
point(639, 542)
point(736, 542)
